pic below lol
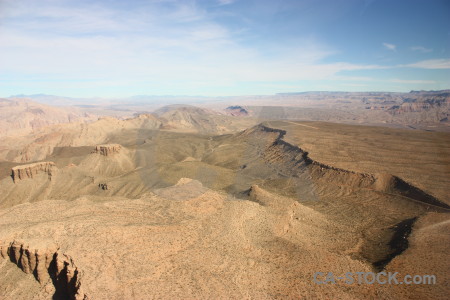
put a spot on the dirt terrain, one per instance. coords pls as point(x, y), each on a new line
point(191, 203)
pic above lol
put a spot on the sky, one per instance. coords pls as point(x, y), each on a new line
point(112, 48)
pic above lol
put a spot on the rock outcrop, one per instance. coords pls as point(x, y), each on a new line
point(236, 110)
point(107, 149)
point(30, 170)
point(103, 186)
point(46, 264)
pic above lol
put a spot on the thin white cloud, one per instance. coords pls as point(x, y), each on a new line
point(112, 45)
point(391, 47)
point(412, 81)
point(163, 45)
point(421, 49)
point(430, 64)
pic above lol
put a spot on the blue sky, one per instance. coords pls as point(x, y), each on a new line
point(114, 48)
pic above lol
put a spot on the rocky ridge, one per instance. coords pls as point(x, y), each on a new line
point(290, 160)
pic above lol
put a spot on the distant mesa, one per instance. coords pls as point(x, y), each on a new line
point(30, 170)
point(107, 149)
point(236, 110)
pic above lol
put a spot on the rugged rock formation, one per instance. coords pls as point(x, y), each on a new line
point(290, 161)
point(236, 110)
point(29, 170)
point(425, 106)
point(107, 149)
point(30, 261)
point(103, 186)
point(44, 265)
point(420, 104)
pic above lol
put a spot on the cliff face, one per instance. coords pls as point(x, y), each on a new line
point(419, 105)
point(29, 170)
point(44, 265)
point(107, 149)
point(429, 107)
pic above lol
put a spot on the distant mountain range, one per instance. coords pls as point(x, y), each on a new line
point(417, 109)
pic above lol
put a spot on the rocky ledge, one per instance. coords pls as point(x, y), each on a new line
point(29, 170)
point(46, 264)
point(107, 149)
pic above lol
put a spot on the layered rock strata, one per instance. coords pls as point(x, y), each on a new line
point(107, 149)
point(46, 264)
point(30, 170)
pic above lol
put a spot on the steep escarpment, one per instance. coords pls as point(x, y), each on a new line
point(45, 264)
point(291, 161)
point(349, 197)
point(30, 261)
point(429, 107)
point(30, 170)
point(418, 102)
point(107, 149)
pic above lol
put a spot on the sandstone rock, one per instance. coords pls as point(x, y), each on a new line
point(29, 170)
point(46, 263)
point(107, 149)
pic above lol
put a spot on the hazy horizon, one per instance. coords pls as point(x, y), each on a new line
point(206, 96)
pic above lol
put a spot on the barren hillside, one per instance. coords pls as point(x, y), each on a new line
point(133, 208)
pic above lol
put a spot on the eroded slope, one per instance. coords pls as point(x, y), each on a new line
point(262, 218)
